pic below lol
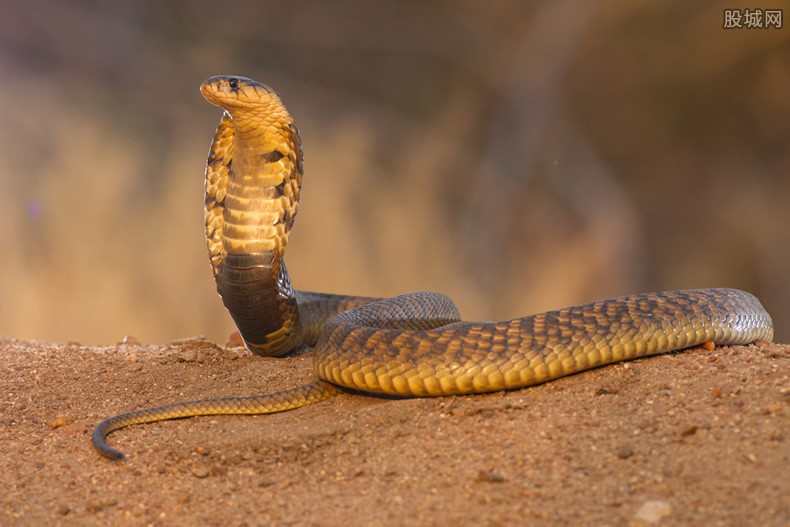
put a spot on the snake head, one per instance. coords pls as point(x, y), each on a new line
point(240, 95)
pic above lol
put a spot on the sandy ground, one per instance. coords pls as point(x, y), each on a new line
point(691, 438)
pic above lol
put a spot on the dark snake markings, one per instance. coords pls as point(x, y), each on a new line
point(410, 345)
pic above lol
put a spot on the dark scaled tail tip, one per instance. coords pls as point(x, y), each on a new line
point(99, 439)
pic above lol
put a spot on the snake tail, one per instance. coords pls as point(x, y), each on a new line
point(259, 404)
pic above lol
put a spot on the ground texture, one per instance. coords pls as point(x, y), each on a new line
point(692, 438)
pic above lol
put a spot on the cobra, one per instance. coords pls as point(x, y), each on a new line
point(413, 345)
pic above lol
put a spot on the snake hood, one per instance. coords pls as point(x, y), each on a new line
point(253, 181)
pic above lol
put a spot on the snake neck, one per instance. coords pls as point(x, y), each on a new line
point(253, 180)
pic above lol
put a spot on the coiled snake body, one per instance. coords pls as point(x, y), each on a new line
point(411, 345)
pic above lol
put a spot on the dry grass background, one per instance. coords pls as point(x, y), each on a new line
point(518, 156)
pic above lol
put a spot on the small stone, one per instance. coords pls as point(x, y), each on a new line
point(774, 434)
point(605, 391)
point(688, 430)
point(234, 340)
point(200, 471)
point(63, 509)
point(651, 512)
point(187, 355)
point(60, 421)
point(624, 452)
point(489, 476)
point(98, 506)
point(195, 349)
point(129, 340)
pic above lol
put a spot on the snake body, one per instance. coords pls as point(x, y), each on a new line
point(412, 345)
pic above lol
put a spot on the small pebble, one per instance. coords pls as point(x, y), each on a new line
point(59, 421)
point(652, 512)
point(624, 452)
point(188, 355)
point(200, 471)
point(774, 434)
point(98, 506)
point(234, 339)
point(688, 430)
point(489, 476)
point(231, 354)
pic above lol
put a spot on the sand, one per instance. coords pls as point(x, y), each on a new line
point(690, 438)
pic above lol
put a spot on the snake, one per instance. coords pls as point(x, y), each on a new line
point(412, 345)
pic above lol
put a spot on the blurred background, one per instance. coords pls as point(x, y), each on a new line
point(517, 156)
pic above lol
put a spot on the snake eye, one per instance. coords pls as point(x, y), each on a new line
point(234, 84)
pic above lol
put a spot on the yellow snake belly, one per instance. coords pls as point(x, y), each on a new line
point(412, 345)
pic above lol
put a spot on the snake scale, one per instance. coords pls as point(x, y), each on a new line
point(411, 345)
